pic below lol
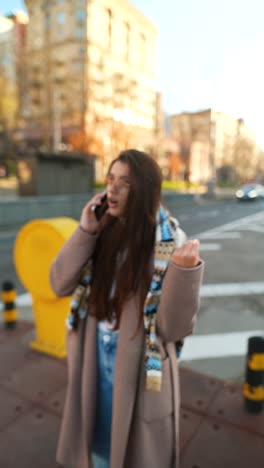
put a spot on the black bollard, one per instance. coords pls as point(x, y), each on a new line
point(9, 298)
point(254, 385)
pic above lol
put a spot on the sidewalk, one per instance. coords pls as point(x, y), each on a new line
point(216, 432)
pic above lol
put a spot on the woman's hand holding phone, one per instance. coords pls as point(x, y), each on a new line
point(89, 221)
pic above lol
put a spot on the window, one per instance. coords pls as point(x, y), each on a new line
point(61, 17)
point(59, 63)
point(80, 32)
point(77, 66)
point(36, 102)
point(47, 20)
point(80, 16)
point(60, 34)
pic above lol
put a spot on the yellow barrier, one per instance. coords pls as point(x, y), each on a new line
point(256, 362)
point(36, 245)
point(253, 393)
point(253, 389)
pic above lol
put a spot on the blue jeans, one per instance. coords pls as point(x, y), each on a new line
point(106, 354)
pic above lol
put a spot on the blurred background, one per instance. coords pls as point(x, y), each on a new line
point(180, 80)
point(81, 80)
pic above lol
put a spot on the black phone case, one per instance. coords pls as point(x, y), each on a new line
point(101, 209)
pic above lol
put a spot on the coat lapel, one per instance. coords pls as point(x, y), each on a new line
point(127, 371)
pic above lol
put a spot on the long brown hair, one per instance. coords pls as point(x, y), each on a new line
point(124, 249)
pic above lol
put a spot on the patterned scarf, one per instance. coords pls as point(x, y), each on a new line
point(168, 237)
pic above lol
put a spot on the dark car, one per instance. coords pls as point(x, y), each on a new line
point(250, 192)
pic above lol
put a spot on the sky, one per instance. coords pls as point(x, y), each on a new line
point(210, 54)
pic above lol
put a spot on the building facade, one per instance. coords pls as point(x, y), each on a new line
point(12, 39)
point(7, 76)
point(214, 145)
point(91, 69)
point(12, 48)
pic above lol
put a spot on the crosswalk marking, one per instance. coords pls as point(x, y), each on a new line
point(211, 246)
point(220, 235)
point(23, 300)
point(232, 289)
point(207, 290)
point(217, 345)
point(237, 224)
point(252, 227)
point(253, 223)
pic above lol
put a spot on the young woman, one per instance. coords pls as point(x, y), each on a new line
point(136, 293)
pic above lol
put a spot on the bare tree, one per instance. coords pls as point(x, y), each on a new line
point(84, 143)
point(8, 111)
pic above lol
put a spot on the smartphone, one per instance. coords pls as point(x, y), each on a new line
point(99, 210)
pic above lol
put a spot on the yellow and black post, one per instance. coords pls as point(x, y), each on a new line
point(9, 302)
point(254, 385)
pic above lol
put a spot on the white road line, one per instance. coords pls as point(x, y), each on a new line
point(217, 345)
point(23, 300)
point(10, 235)
point(221, 235)
point(234, 224)
point(232, 289)
point(252, 227)
point(184, 217)
point(205, 247)
point(207, 290)
point(208, 214)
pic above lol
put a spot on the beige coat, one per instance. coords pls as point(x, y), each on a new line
point(145, 424)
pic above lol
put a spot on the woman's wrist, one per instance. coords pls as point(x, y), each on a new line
point(186, 267)
point(87, 231)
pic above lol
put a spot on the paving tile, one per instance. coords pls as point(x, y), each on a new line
point(216, 432)
point(228, 406)
point(11, 408)
point(22, 328)
point(56, 401)
point(189, 424)
point(12, 356)
point(30, 442)
point(37, 379)
point(198, 390)
point(217, 445)
point(14, 347)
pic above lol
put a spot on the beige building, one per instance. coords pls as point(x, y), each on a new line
point(91, 68)
point(12, 31)
point(215, 145)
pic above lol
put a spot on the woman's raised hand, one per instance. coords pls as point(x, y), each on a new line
point(187, 256)
point(88, 221)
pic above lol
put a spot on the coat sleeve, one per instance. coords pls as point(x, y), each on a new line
point(179, 303)
point(66, 269)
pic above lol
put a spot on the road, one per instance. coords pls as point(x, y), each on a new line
point(193, 217)
point(232, 302)
point(205, 214)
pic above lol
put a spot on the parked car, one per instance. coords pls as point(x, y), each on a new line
point(250, 192)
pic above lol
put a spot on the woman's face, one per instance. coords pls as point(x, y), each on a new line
point(118, 186)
